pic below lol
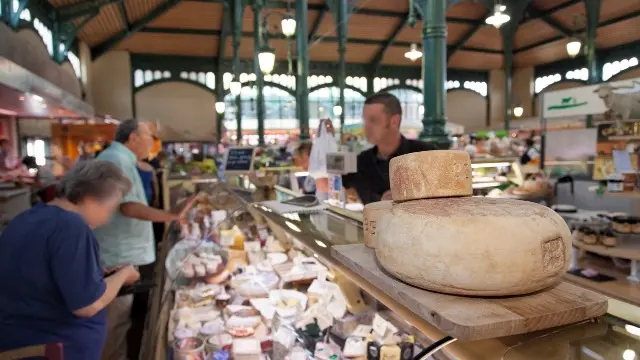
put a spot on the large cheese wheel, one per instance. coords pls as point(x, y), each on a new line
point(474, 246)
point(430, 174)
point(370, 216)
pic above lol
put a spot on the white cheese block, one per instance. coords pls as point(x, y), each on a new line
point(474, 246)
point(370, 216)
point(430, 174)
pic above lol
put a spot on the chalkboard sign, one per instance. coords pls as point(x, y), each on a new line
point(239, 159)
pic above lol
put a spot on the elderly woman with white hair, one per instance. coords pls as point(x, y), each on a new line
point(53, 287)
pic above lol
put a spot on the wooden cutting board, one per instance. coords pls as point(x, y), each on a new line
point(473, 318)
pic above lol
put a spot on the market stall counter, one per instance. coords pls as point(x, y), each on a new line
point(341, 307)
point(317, 233)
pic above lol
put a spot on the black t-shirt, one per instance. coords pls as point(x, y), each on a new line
point(372, 179)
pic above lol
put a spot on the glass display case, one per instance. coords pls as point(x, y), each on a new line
point(313, 235)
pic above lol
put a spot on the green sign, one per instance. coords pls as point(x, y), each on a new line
point(567, 103)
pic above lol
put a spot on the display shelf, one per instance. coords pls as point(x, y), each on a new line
point(316, 233)
point(319, 232)
point(621, 288)
point(483, 318)
point(628, 250)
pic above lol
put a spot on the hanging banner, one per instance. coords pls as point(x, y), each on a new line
point(621, 97)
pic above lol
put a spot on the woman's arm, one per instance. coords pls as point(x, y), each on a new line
point(124, 276)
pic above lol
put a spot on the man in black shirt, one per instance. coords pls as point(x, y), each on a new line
point(382, 116)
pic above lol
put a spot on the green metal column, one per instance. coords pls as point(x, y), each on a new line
point(302, 90)
point(238, 10)
point(434, 62)
point(515, 9)
point(343, 19)
point(507, 39)
point(257, 42)
point(370, 77)
point(593, 17)
point(239, 118)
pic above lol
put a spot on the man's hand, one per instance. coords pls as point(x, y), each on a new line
point(387, 195)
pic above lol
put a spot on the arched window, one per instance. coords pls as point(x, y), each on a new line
point(75, 63)
point(322, 101)
point(211, 80)
point(610, 69)
point(410, 101)
point(138, 78)
point(279, 105)
point(542, 82)
point(577, 74)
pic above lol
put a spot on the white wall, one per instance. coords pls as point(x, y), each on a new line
point(185, 112)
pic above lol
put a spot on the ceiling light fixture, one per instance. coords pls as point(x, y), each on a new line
point(499, 17)
point(413, 54)
point(288, 25)
point(267, 59)
point(574, 46)
point(518, 111)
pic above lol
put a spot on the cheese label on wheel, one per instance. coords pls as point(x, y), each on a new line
point(430, 174)
point(370, 216)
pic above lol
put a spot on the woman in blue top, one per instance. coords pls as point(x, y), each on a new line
point(53, 287)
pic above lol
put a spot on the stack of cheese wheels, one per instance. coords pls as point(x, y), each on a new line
point(437, 237)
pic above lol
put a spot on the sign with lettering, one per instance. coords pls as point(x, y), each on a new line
point(239, 160)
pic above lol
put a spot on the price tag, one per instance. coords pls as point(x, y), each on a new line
point(379, 325)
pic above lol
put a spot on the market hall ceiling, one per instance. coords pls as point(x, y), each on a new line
point(193, 28)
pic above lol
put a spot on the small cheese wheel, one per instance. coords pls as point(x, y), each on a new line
point(430, 174)
point(370, 216)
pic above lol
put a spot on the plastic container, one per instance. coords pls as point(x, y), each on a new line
point(191, 348)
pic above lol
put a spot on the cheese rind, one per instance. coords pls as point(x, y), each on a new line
point(430, 174)
point(474, 246)
point(370, 216)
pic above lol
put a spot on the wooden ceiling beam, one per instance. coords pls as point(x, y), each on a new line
point(557, 38)
point(552, 10)
point(377, 58)
point(123, 14)
point(457, 46)
point(278, 36)
point(70, 12)
point(112, 42)
point(316, 24)
point(534, 11)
